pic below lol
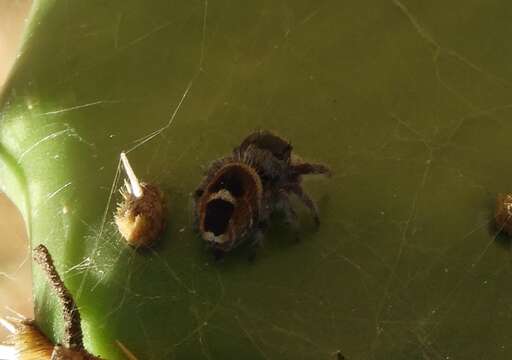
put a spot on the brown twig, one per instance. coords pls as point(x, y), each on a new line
point(73, 338)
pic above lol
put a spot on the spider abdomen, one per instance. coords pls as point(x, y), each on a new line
point(229, 205)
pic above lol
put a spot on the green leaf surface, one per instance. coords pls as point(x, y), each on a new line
point(408, 101)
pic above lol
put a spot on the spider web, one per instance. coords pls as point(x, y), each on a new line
point(404, 261)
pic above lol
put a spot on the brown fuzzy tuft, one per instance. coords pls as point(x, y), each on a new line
point(29, 342)
point(141, 219)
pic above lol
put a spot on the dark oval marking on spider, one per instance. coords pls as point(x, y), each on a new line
point(236, 179)
point(239, 192)
point(218, 214)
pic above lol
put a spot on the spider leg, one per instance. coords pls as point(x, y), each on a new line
point(310, 204)
point(257, 240)
point(285, 204)
point(309, 168)
point(259, 235)
point(218, 255)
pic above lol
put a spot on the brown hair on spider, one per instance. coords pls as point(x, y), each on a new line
point(239, 192)
point(28, 340)
point(140, 216)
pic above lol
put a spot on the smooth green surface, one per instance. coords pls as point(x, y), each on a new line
point(408, 101)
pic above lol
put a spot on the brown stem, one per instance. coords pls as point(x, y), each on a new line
point(73, 337)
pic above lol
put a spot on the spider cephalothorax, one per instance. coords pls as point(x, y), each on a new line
point(240, 191)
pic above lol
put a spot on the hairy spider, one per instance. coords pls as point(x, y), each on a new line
point(239, 192)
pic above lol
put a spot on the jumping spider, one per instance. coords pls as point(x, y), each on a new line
point(239, 192)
